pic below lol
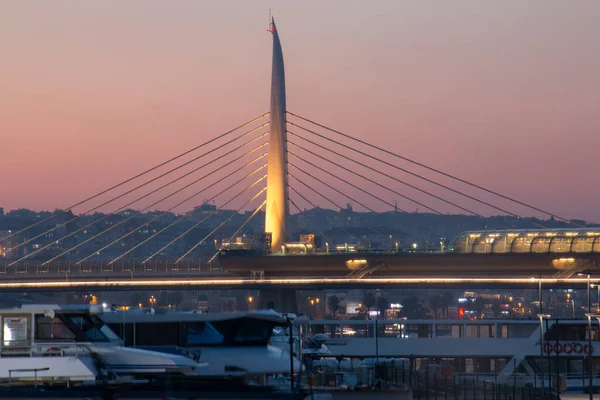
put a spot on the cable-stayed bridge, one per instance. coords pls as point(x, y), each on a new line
point(269, 164)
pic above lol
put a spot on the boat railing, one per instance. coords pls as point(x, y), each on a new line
point(68, 269)
point(193, 354)
point(25, 370)
point(48, 349)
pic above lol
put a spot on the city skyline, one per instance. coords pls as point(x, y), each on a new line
point(94, 94)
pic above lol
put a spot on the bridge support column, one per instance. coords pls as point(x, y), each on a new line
point(280, 299)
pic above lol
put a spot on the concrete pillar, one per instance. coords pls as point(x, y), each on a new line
point(283, 299)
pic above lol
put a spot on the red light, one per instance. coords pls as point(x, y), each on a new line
point(461, 312)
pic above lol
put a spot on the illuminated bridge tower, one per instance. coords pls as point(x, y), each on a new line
point(277, 209)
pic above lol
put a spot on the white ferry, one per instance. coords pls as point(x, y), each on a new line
point(71, 344)
point(504, 350)
point(228, 342)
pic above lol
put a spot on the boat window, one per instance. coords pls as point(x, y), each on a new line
point(253, 332)
point(94, 329)
point(157, 334)
point(110, 335)
point(200, 333)
point(47, 328)
point(571, 332)
point(244, 331)
point(15, 331)
point(471, 331)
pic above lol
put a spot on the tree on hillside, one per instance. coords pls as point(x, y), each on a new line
point(479, 305)
point(334, 305)
point(382, 306)
point(496, 309)
point(369, 301)
point(412, 308)
point(435, 304)
point(470, 301)
point(175, 298)
point(447, 301)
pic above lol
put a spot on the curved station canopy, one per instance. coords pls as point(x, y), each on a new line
point(586, 240)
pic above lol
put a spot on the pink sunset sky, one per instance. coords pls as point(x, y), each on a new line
point(505, 93)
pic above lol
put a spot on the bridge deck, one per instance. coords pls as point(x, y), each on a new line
point(296, 271)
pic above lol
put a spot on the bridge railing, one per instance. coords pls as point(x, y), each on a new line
point(127, 267)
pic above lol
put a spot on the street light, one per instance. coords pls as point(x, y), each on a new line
point(589, 298)
point(597, 286)
point(541, 317)
point(540, 292)
point(589, 352)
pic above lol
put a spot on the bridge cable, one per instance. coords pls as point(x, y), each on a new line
point(136, 214)
point(210, 260)
point(233, 214)
point(184, 216)
point(155, 179)
point(357, 174)
point(384, 174)
point(338, 191)
point(323, 196)
point(415, 174)
point(314, 190)
point(435, 170)
point(201, 221)
point(314, 226)
point(164, 213)
point(136, 200)
point(317, 208)
point(135, 177)
point(331, 187)
point(144, 209)
point(341, 179)
point(248, 220)
point(402, 169)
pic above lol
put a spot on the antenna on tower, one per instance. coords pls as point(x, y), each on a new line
point(270, 28)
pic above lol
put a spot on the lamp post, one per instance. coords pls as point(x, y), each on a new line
point(541, 309)
point(540, 294)
point(598, 295)
point(588, 273)
point(589, 352)
point(541, 317)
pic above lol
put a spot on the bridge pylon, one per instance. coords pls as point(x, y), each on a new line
point(277, 208)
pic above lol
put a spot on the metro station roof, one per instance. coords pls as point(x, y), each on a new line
point(583, 240)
